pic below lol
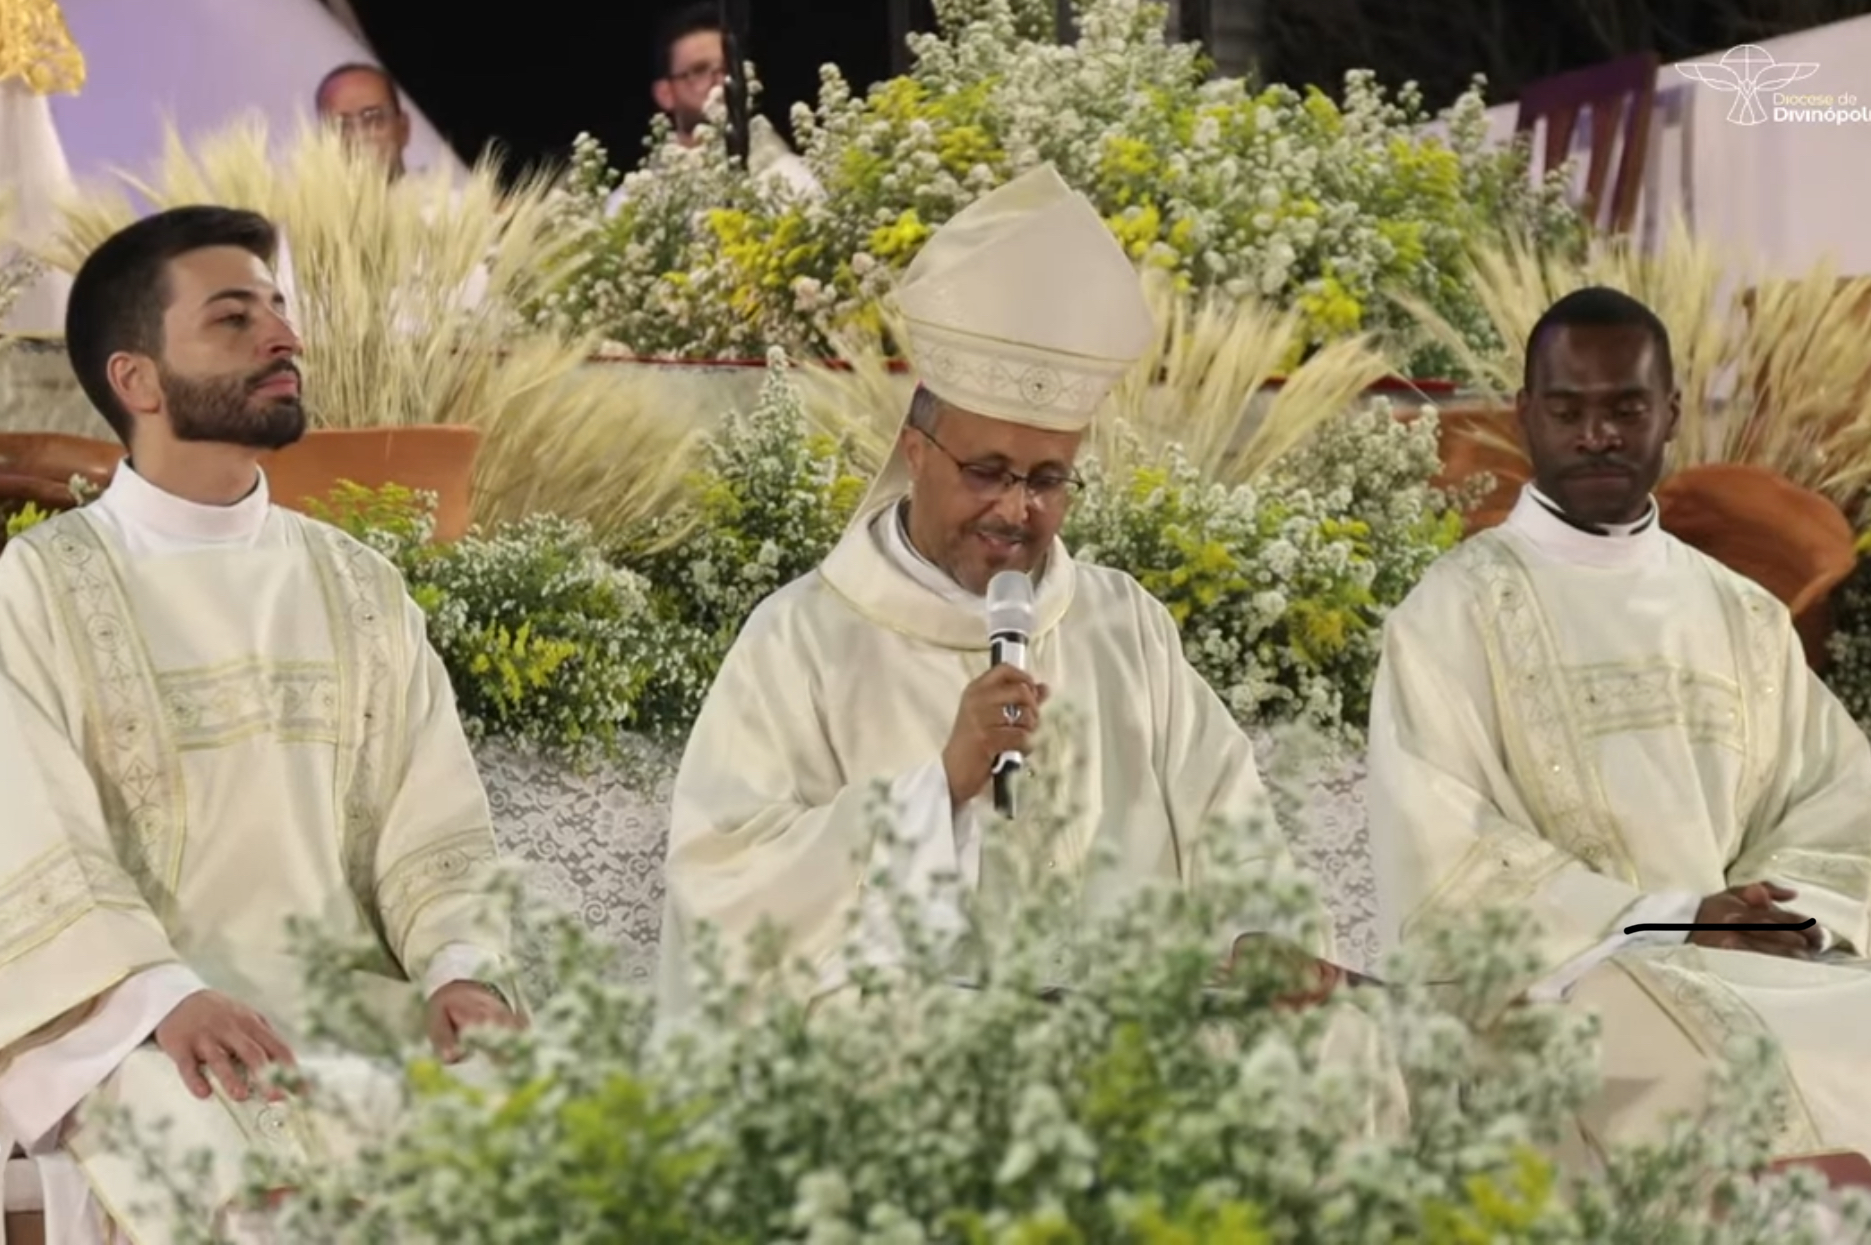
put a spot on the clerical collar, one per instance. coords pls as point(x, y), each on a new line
point(894, 528)
point(1648, 519)
point(136, 503)
point(1625, 546)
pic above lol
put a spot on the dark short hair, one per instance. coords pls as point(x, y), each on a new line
point(691, 19)
point(122, 289)
point(1601, 307)
point(350, 67)
point(925, 409)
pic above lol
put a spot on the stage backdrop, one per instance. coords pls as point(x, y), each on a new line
point(1784, 189)
point(203, 63)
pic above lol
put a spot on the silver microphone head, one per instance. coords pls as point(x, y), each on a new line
point(1010, 604)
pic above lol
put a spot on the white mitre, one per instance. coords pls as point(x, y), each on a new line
point(1022, 307)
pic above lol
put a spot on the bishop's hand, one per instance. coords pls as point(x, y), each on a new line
point(210, 1032)
point(460, 1006)
point(999, 713)
point(1757, 903)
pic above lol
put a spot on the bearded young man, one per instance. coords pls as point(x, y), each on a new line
point(1581, 717)
point(222, 718)
point(1023, 312)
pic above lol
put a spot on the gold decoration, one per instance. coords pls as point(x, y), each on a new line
point(36, 47)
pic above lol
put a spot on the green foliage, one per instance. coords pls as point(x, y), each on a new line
point(770, 501)
point(546, 642)
point(1324, 205)
point(27, 516)
point(1281, 591)
point(1155, 1098)
point(1849, 675)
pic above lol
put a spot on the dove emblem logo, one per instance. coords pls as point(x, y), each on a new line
point(1747, 71)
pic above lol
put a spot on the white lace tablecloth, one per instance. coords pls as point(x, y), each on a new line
point(594, 845)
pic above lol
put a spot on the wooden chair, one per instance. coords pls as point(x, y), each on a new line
point(1620, 91)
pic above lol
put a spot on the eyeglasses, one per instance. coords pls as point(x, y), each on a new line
point(706, 71)
point(991, 483)
point(365, 120)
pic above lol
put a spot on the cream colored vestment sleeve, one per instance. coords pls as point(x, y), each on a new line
point(437, 856)
point(73, 924)
point(765, 825)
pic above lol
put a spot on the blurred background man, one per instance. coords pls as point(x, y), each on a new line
point(361, 101)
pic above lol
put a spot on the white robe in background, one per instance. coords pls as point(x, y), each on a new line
point(222, 718)
point(769, 159)
point(1601, 730)
point(851, 676)
point(34, 176)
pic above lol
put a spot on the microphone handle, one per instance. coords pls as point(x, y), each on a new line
point(1003, 790)
point(1007, 648)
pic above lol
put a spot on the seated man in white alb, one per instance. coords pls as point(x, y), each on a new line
point(1580, 716)
point(220, 717)
point(1023, 312)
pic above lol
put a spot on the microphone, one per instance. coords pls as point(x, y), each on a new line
point(1010, 619)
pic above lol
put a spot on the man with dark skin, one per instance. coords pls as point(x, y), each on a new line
point(1581, 717)
point(1599, 410)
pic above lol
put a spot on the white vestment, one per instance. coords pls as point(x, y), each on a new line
point(224, 719)
point(850, 677)
point(1602, 730)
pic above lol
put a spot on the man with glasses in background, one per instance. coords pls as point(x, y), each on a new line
point(361, 101)
point(692, 64)
point(1023, 312)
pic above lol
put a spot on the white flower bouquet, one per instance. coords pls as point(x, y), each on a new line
point(1286, 196)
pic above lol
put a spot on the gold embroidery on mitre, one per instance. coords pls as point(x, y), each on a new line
point(37, 48)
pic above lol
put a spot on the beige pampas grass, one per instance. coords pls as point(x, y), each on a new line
point(1211, 364)
point(1774, 373)
point(1202, 385)
point(410, 298)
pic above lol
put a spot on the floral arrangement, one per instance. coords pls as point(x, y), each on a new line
point(1294, 198)
point(1104, 1080)
point(767, 503)
point(563, 639)
point(1849, 674)
point(1281, 586)
point(547, 643)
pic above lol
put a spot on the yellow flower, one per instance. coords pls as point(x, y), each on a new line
point(965, 146)
point(1137, 230)
point(899, 241)
point(1330, 310)
point(1322, 111)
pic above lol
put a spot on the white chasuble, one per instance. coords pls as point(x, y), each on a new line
point(1601, 730)
point(229, 737)
point(848, 680)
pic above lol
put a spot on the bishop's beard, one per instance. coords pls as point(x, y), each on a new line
point(222, 409)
